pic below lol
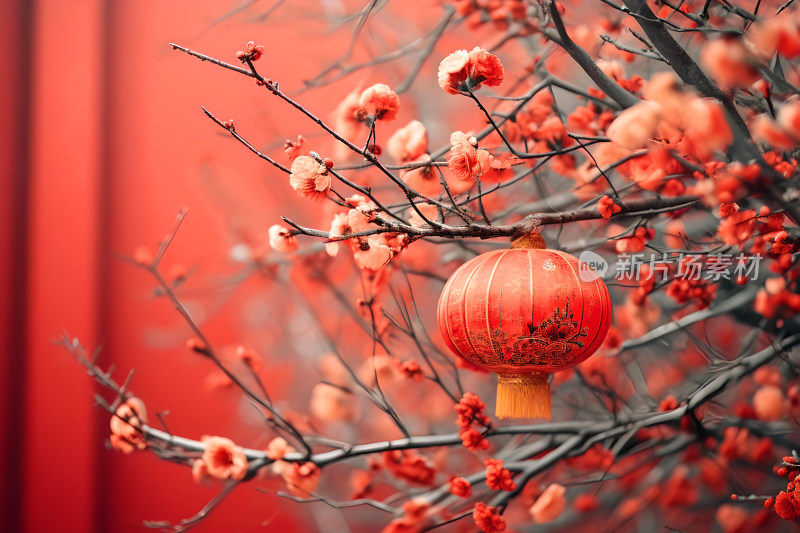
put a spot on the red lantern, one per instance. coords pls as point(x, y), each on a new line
point(524, 313)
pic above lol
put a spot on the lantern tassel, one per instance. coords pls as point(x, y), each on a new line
point(523, 396)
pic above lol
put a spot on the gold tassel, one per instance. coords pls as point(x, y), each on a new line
point(523, 396)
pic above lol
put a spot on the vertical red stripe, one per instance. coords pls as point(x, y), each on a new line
point(15, 41)
point(60, 442)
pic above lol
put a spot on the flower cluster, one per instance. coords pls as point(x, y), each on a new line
point(409, 466)
point(497, 477)
point(460, 487)
point(126, 426)
point(465, 160)
point(465, 71)
point(607, 207)
point(414, 512)
point(470, 411)
point(371, 252)
point(487, 518)
point(252, 52)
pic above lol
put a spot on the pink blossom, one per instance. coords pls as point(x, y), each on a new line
point(310, 178)
point(409, 142)
point(339, 228)
point(635, 126)
point(380, 102)
point(372, 253)
point(292, 148)
point(789, 118)
point(477, 66)
point(199, 471)
point(281, 239)
point(454, 70)
point(223, 459)
point(768, 403)
point(126, 426)
point(278, 448)
point(333, 404)
point(423, 179)
point(729, 63)
point(465, 160)
point(549, 505)
point(301, 479)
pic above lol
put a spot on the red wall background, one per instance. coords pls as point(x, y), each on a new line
point(103, 142)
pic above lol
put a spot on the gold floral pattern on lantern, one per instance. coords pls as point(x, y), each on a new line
point(549, 342)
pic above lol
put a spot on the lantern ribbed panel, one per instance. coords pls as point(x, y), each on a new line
point(524, 310)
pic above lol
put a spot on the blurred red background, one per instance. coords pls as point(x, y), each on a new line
point(103, 142)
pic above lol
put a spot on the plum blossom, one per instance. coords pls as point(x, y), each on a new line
point(787, 505)
point(729, 63)
point(252, 51)
point(302, 479)
point(292, 148)
point(409, 142)
point(223, 459)
point(497, 477)
point(380, 101)
point(471, 69)
point(310, 178)
point(635, 126)
point(607, 207)
point(281, 239)
point(423, 179)
point(278, 448)
point(460, 487)
point(488, 519)
point(768, 403)
point(549, 504)
point(414, 512)
point(126, 426)
point(333, 404)
point(465, 160)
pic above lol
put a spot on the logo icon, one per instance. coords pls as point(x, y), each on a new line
point(591, 266)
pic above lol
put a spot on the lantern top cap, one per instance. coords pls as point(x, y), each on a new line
point(532, 240)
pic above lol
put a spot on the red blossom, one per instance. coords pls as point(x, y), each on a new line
point(409, 465)
point(292, 148)
point(470, 408)
point(607, 207)
point(460, 487)
point(474, 68)
point(412, 370)
point(497, 477)
point(252, 52)
point(487, 519)
point(585, 503)
point(787, 506)
point(474, 440)
point(636, 242)
point(465, 160)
